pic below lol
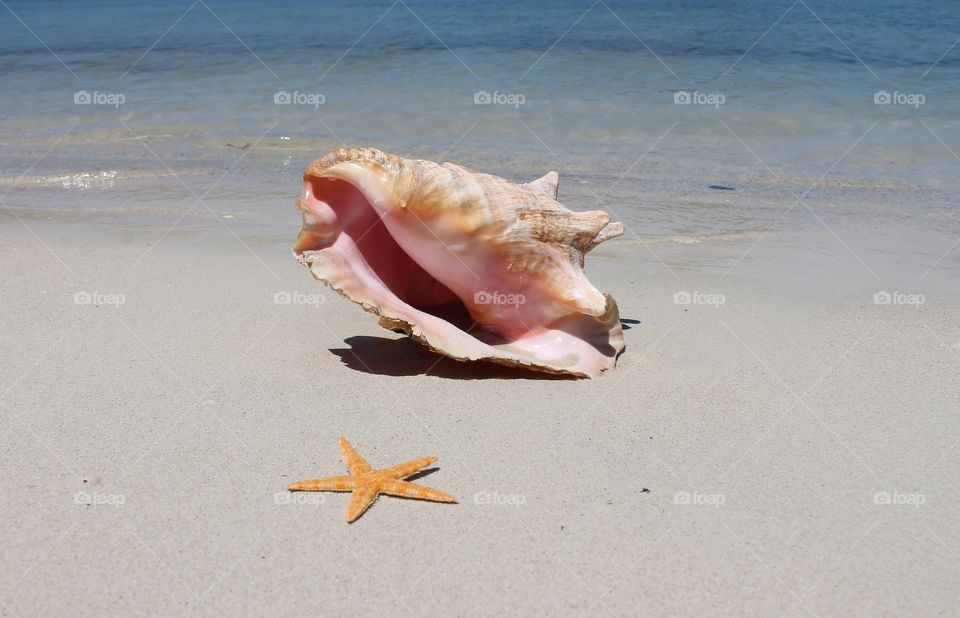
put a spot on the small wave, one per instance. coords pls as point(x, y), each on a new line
point(83, 180)
point(694, 239)
point(105, 179)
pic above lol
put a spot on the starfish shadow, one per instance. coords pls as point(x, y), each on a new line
point(422, 473)
point(403, 357)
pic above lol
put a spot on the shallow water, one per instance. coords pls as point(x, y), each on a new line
point(795, 82)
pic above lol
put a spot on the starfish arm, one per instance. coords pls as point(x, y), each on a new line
point(331, 483)
point(356, 463)
point(402, 471)
point(363, 496)
point(406, 489)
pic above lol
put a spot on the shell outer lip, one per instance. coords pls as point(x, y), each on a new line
point(410, 329)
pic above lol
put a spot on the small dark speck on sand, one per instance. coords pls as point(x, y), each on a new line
point(244, 147)
point(644, 491)
point(721, 188)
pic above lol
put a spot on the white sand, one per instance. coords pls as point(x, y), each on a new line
point(780, 414)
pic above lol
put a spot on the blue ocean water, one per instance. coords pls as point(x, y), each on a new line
point(698, 88)
point(588, 71)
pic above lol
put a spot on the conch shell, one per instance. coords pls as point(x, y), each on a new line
point(470, 265)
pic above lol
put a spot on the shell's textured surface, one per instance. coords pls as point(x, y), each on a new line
point(471, 265)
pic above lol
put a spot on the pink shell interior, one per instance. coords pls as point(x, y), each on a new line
point(347, 244)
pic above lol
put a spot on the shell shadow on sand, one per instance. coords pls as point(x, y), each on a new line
point(403, 357)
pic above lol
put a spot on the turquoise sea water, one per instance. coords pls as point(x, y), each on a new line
point(797, 80)
point(640, 106)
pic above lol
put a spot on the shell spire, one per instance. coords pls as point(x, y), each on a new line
point(549, 184)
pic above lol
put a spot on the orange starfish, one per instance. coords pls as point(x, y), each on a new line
point(367, 483)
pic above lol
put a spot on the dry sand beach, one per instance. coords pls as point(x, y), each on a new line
point(789, 449)
point(780, 436)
